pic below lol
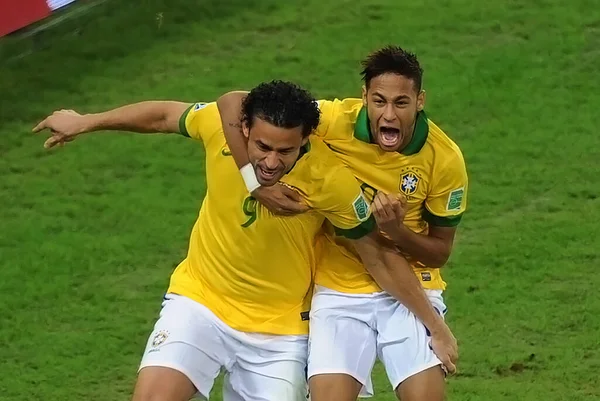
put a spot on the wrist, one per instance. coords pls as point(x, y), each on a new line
point(90, 123)
point(249, 177)
point(398, 232)
point(439, 327)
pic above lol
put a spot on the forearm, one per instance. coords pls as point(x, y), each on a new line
point(396, 277)
point(430, 251)
point(230, 109)
point(143, 117)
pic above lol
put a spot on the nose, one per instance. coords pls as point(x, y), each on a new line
point(271, 161)
point(388, 113)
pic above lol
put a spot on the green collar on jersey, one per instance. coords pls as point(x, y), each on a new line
point(362, 132)
point(304, 150)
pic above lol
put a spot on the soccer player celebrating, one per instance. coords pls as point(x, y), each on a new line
point(239, 301)
point(417, 179)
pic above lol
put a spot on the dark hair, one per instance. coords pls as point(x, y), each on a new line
point(395, 60)
point(282, 104)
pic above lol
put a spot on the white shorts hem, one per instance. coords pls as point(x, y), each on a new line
point(415, 371)
point(178, 368)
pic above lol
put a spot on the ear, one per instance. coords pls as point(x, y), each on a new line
point(304, 141)
point(364, 95)
point(421, 100)
point(245, 130)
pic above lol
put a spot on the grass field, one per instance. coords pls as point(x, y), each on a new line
point(91, 232)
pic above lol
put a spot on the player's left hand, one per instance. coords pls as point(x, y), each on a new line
point(389, 211)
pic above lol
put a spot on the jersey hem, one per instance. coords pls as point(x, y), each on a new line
point(368, 288)
point(264, 328)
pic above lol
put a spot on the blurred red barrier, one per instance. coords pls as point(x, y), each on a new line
point(16, 14)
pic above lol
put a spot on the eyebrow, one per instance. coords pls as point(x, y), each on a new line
point(401, 97)
point(263, 145)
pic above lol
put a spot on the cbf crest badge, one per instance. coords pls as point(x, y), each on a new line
point(409, 183)
point(160, 338)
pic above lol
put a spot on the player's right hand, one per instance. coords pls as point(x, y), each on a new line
point(64, 126)
point(445, 347)
point(280, 200)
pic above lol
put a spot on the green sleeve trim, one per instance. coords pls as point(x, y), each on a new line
point(363, 229)
point(182, 128)
point(441, 221)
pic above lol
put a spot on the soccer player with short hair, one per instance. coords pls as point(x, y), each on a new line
point(240, 299)
point(416, 177)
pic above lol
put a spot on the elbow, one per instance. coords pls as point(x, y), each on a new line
point(439, 259)
point(230, 98)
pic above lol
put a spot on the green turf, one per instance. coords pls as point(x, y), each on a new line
point(90, 232)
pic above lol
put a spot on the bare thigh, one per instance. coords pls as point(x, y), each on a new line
point(163, 384)
point(334, 387)
point(428, 385)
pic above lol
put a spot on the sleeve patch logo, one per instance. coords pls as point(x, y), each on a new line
point(199, 106)
point(455, 199)
point(361, 208)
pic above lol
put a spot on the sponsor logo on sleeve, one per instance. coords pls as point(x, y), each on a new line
point(199, 106)
point(455, 199)
point(361, 207)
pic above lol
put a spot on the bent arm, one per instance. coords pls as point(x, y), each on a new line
point(432, 249)
point(395, 276)
point(230, 109)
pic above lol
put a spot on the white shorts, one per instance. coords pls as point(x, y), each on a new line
point(189, 338)
point(348, 331)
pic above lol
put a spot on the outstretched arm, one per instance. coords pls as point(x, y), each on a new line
point(144, 117)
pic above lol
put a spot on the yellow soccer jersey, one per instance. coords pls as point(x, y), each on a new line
point(431, 173)
point(252, 269)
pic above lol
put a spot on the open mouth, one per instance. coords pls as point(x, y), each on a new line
point(267, 175)
point(389, 136)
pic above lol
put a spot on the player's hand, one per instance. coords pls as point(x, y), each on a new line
point(389, 211)
point(280, 200)
point(64, 126)
point(445, 347)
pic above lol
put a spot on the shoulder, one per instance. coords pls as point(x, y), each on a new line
point(321, 160)
point(338, 117)
point(201, 121)
point(319, 168)
point(447, 152)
